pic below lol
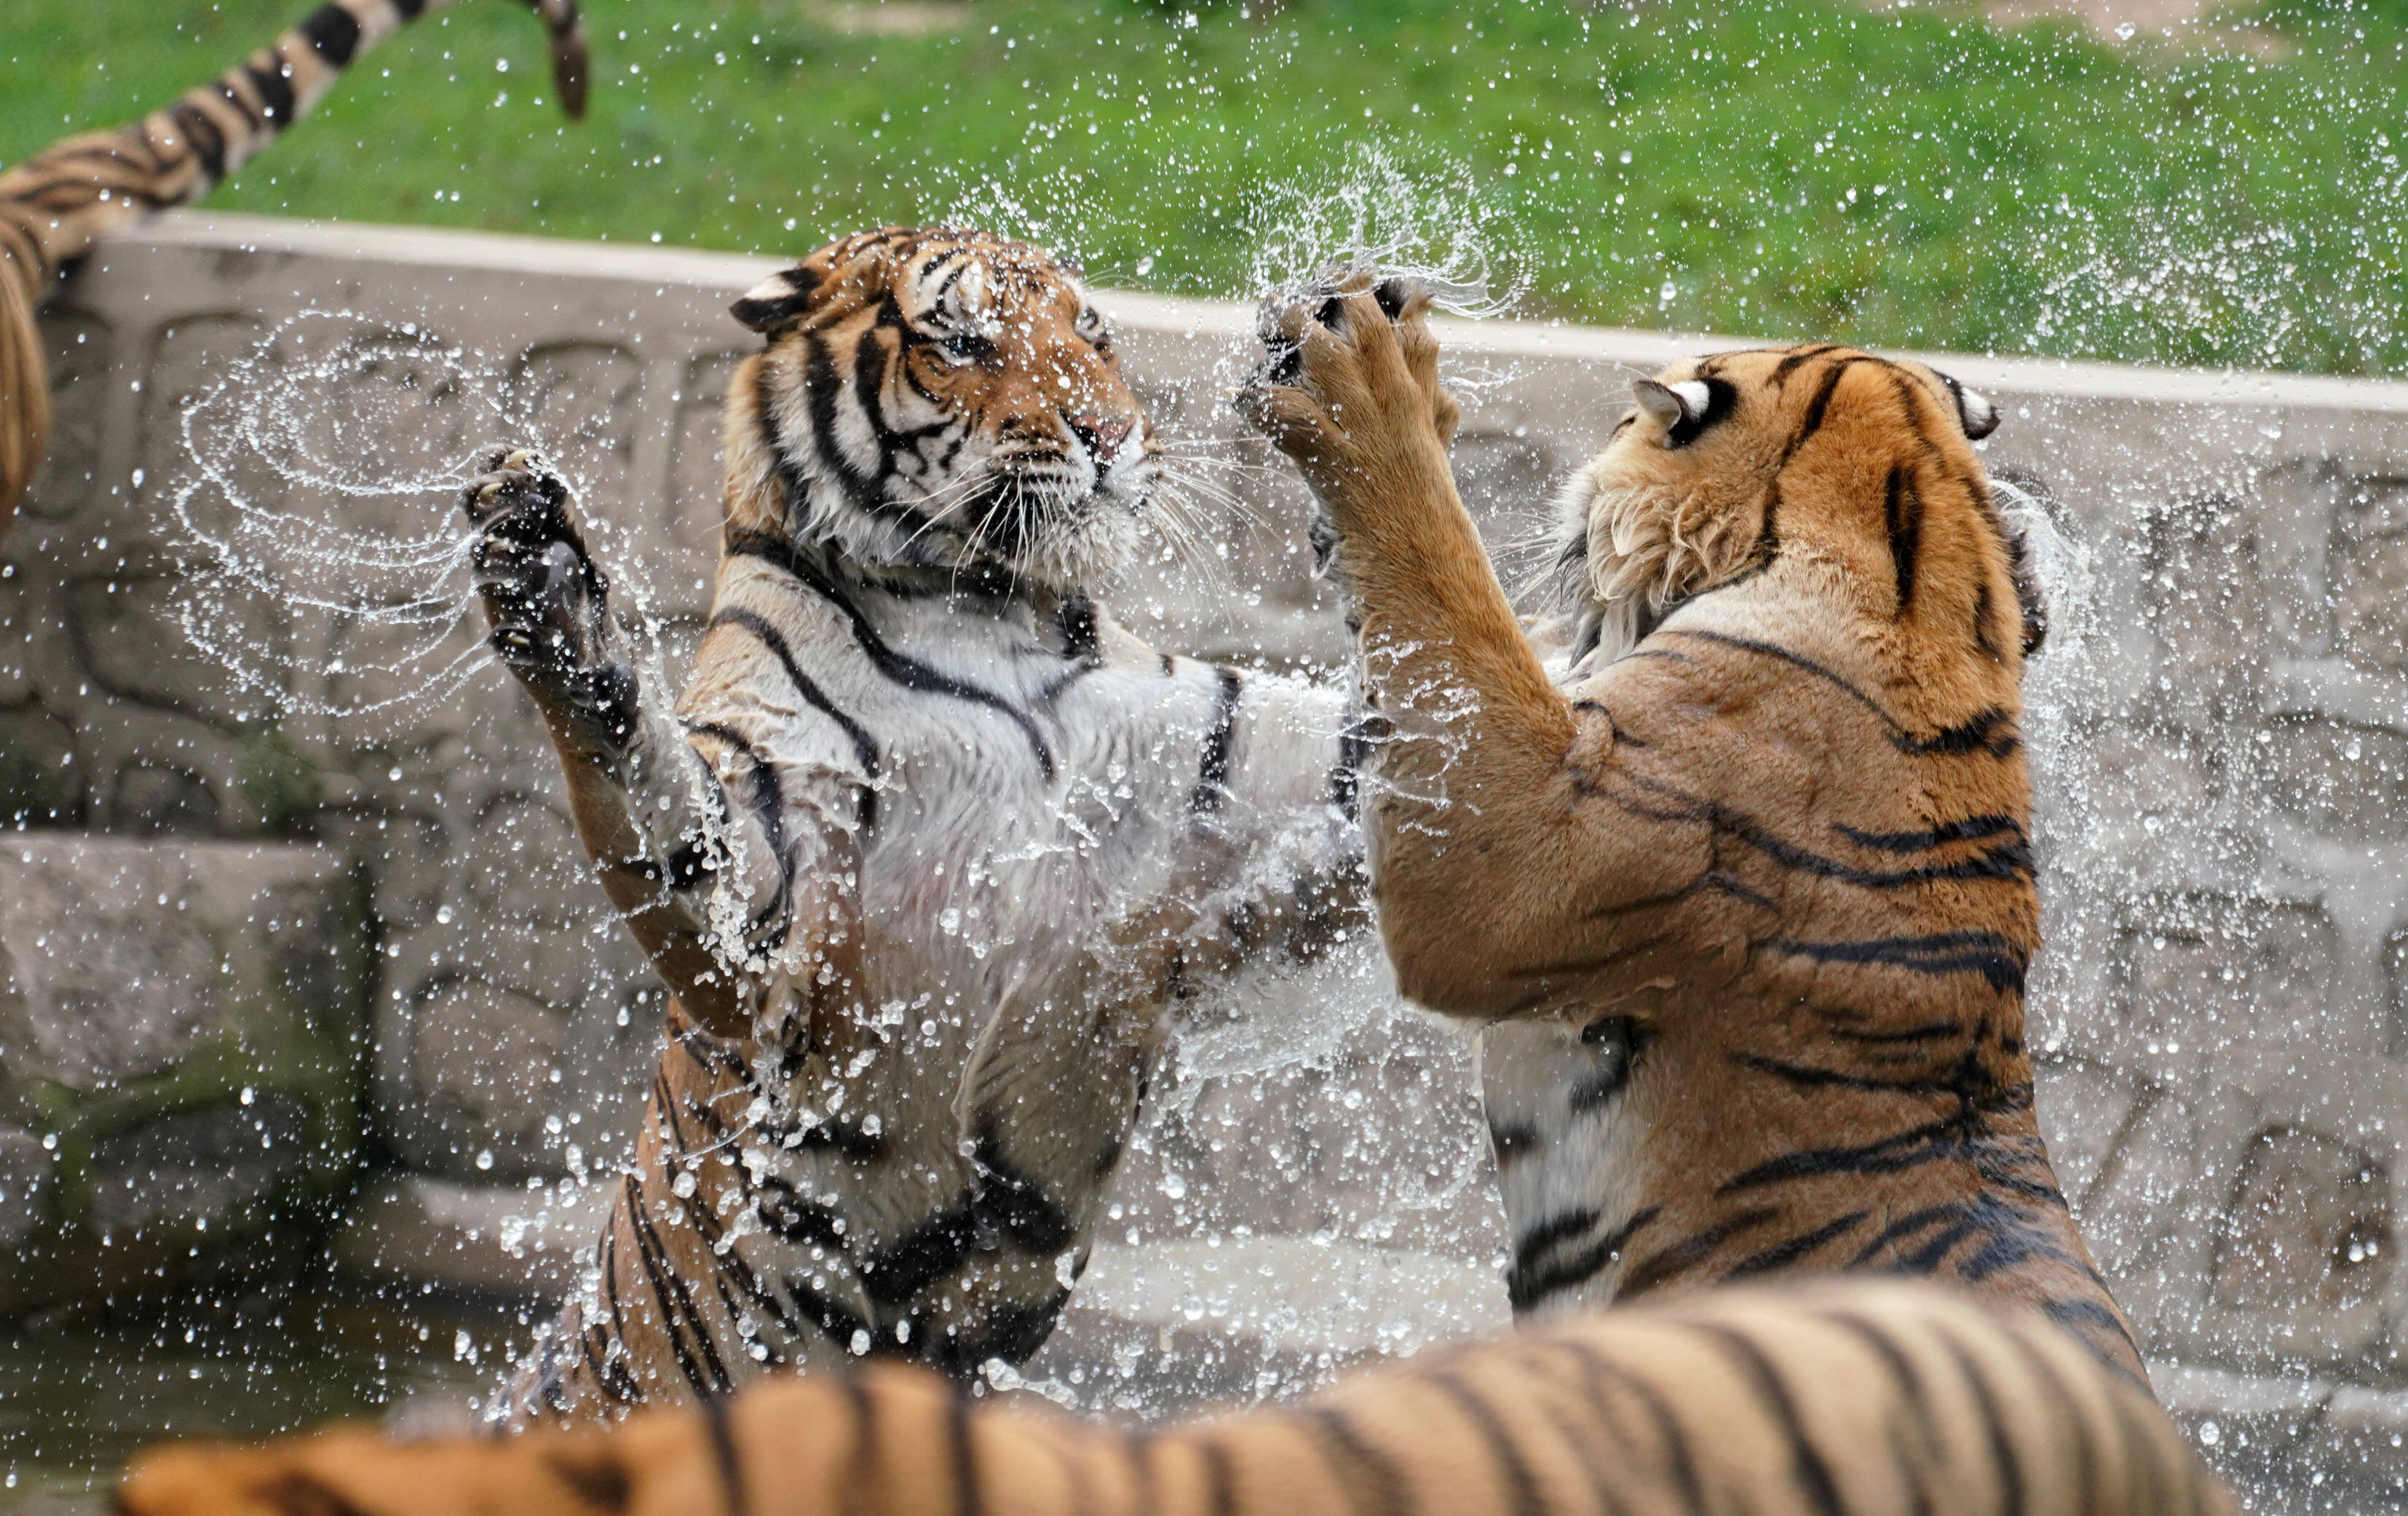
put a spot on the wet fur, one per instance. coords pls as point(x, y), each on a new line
point(932, 848)
point(1774, 819)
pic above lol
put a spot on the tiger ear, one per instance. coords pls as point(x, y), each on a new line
point(1974, 412)
point(777, 301)
point(1673, 404)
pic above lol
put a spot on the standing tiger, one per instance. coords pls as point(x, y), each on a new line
point(932, 847)
point(1742, 888)
point(1835, 1399)
point(56, 204)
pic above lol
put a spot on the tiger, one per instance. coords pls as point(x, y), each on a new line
point(56, 205)
point(931, 851)
point(1740, 886)
point(1822, 1398)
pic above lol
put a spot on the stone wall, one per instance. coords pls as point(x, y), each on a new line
point(2222, 728)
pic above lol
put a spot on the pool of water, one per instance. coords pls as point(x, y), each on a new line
point(76, 1398)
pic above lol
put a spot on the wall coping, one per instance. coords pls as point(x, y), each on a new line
point(426, 246)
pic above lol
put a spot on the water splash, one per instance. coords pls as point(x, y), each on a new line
point(324, 468)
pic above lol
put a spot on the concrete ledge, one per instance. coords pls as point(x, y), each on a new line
point(427, 247)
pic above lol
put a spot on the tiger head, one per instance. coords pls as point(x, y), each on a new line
point(940, 399)
point(1859, 470)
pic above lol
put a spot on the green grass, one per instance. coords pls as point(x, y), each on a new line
point(1778, 167)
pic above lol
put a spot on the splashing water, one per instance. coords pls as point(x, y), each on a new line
point(324, 470)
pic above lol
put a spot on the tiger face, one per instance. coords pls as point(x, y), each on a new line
point(943, 399)
point(1862, 465)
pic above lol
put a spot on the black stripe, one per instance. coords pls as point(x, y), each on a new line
point(1927, 1031)
point(1529, 1499)
point(2002, 1445)
point(821, 389)
point(864, 747)
point(863, 1484)
point(1603, 1468)
point(238, 100)
point(1814, 1474)
point(1906, 1226)
point(334, 34)
point(1354, 747)
point(1911, 1394)
point(2010, 859)
point(1819, 405)
point(1995, 958)
point(1796, 356)
point(2058, 1395)
point(1800, 661)
point(1220, 1477)
point(1781, 1255)
point(207, 142)
point(2072, 1314)
point(1978, 732)
point(1677, 1453)
point(1695, 1247)
point(1371, 1481)
point(1968, 829)
point(677, 1304)
point(838, 1322)
point(900, 667)
point(409, 10)
point(1955, 1138)
point(1524, 1290)
point(1212, 775)
point(275, 90)
point(671, 1320)
point(1902, 510)
point(1511, 1140)
point(1808, 1077)
point(722, 1452)
point(961, 1456)
point(1562, 1227)
point(1982, 730)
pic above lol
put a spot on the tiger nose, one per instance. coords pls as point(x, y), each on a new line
point(1103, 435)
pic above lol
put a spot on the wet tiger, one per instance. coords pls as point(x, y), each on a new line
point(932, 847)
point(1741, 885)
point(1844, 1399)
point(56, 204)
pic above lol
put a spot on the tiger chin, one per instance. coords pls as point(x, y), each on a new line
point(1734, 867)
point(56, 204)
point(931, 850)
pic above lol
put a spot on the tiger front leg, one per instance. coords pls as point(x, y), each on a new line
point(638, 791)
point(1479, 736)
point(549, 605)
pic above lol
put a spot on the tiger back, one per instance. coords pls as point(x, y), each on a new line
point(56, 204)
point(1857, 1399)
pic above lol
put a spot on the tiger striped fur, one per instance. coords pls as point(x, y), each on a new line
point(56, 204)
point(1741, 887)
point(1842, 1399)
point(931, 850)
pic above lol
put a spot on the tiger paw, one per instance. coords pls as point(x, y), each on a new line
point(1350, 373)
point(547, 600)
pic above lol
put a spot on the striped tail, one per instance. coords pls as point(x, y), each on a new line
point(56, 204)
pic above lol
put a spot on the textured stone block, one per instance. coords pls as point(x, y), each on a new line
point(180, 1041)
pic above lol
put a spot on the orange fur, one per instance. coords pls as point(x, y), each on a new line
point(1865, 1400)
point(1783, 844)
